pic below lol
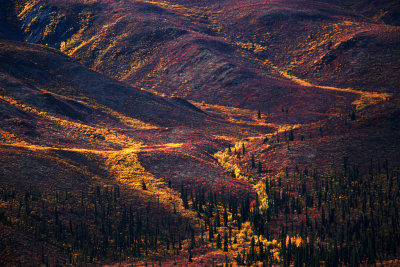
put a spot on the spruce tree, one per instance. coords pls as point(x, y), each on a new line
point(144, 187)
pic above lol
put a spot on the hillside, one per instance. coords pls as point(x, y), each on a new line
point(245, 52)
point(199, 133)
point(381, 11)
point(64, 131)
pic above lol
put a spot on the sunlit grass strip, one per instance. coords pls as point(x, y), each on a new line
point(128, 170)
point(366, 98)
point(109, 135)
point(7, 138)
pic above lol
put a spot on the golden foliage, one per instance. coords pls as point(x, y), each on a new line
point(125, 164)
point(245, 235)
point(256, 48)
point(229, 162)
point(365, 98)
point(71, 128)
point(262, 196)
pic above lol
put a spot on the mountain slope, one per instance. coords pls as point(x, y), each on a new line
point(70, 137)
point(229, 58)
point(21, 60)
point(323, 42)
point(320, 42)
point(244, 132)
point(381, 11)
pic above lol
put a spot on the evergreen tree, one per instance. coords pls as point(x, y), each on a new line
point(190, 255)
point(260, 250)
point(144, 187)
point(353, 116)
point(219, 245)
point(265, 140)
point(291, 136)
point(225, 242)
point(225, 217)
point(238, 259)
